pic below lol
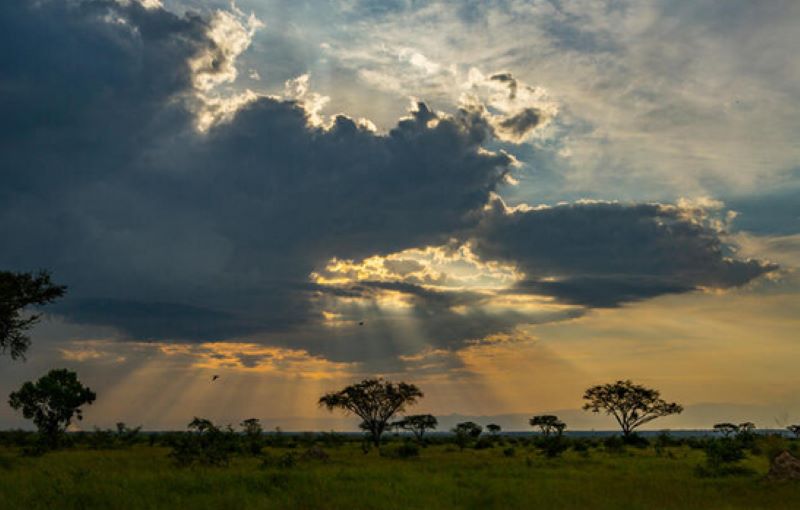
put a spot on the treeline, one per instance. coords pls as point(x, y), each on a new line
point(207, 444)
point(57, 398)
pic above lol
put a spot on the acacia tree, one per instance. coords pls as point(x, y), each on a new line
point(52, 402)
point(375, 401)
point(726, 429)
point(548, 423)
point(417, 424)
point(794, 429)
point(465, 431)
point(17, 292)
point(630, 404)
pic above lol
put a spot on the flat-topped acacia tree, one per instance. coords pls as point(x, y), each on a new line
point(548, 423)
point(630, 404)
point(375, 401)
point(417, 424)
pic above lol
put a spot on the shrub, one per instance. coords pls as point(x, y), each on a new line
point(722, 457)
point(126, 436)
point(581, 447)
point(100, 439)
point(773, 445)
point(552, 446)
point(509, 452)
point(405, 450)
point(614, 444)
point(206, 444)
point(696, 443)
point(635, 440)
point(664, 439)
point(723, 451)
point(483, 443)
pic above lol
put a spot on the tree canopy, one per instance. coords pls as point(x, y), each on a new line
point(375, 401)
point(17, 292)
point(631, 405)
point(465, 431)
point(548, 423)
point(726, 429)
point(52, 401)
point(417, 424)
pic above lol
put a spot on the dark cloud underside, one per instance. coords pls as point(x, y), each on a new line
point(604, 254)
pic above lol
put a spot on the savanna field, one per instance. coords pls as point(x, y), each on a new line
point(310, 474)
point(399, 254)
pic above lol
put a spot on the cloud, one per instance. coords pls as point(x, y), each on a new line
point(656, 99)
point(164, 232)
point(168, 232)
point(602, 254)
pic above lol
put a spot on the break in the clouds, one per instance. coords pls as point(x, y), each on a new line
point(175, 208)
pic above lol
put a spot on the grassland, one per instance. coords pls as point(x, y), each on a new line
point(441, 477)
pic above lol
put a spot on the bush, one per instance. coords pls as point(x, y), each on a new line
point(207, 444)
point(581, 447)
point(100, 439)
point(697, 443)
point(509, 452)
point(773, 445)
point(552, 447)
point(405, 450)
point(636, 441)
point(722, 457)
point(723, 451)
point(664, 439)
point(483, 443)
point(614, 444)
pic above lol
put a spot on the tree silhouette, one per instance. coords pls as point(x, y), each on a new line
point(726, 429)
point(417, 424)
point(630, 404)
point(548, 424)
point(251, 427)
point(18, 291)
point(494, 428)
point(52, 401)
point(253, 435)
point(794, 429)
point(465, 431)
point(375, 401)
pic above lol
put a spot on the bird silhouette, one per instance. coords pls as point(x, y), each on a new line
point(214, 378)
point(361, 323)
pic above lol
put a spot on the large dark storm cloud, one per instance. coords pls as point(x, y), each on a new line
point(602, 254)
point(169, 234)
point(166, 233)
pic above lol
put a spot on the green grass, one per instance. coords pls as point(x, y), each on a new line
point(144, 477)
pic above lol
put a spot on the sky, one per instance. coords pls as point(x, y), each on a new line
point(504, 202)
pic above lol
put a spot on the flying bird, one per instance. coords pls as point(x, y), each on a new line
point(214, 378)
